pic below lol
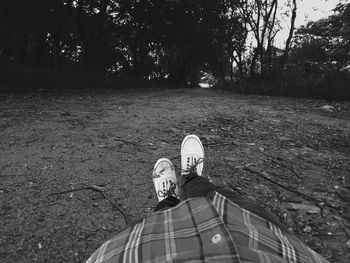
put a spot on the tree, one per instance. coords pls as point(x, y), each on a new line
point(319, 60)
point(326, 40)
point(170, 40)
point(263, 19)
point(290, 36)
point(234, 33)
point(260, 16)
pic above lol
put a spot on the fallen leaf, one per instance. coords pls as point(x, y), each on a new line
point(327, 108)
point(66, 113)
point(304, 208)
point(307, 229)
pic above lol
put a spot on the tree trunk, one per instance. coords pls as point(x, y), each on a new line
point(239, 64)
point(253, 63)
point(290, 36)
point(231, 69)
point(39, 52)
point(265, 28)
point(258, 40)
point(56, 35)
point(270, 39)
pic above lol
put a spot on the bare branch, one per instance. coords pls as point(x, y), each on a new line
point(99, 190)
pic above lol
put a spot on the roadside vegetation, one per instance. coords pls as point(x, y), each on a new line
point(231, 44)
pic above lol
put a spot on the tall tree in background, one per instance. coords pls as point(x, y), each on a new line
point(234, 33)
point(169, 40)
point(319, 60)
point(290, 36)
point(94, 27)
point(24, 27)
point(326, 40)
point(260, 15)
point(263, 20)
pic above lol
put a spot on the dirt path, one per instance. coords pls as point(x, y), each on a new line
point(108, 142)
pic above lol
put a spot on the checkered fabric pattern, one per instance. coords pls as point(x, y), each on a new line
point(204, 230)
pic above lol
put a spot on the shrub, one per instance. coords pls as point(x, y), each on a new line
point(15, 77)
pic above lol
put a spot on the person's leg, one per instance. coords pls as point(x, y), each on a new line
point(198, 186)
point(165, 183)
point(167, 203)
point(195, 185)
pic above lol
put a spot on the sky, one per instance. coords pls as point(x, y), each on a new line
point(311, 10)
point(307, 10)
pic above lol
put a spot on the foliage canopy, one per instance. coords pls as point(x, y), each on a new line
point(170, 40)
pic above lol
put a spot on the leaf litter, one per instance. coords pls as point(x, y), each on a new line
point(287, 154)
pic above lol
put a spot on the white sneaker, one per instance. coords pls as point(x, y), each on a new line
point(164, 179)
point(192, 155)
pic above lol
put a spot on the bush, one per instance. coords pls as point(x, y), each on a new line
point(315, 81)
point(305, 80)
point(15, 77)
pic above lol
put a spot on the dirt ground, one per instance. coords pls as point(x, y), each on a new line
point(76, 165)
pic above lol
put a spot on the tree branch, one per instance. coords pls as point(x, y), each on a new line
point(263, 175)
point(99, 190)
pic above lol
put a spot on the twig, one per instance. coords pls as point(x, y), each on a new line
point(63, 257)
point(99, 190)
point(4, 166)
point(308, 161)
point(93, 188)
point(247, 165)
point(235, 189)
point(126, 142)
point(143, 183)
point(174, 157)
point(221, 144)
point(21, 242)
point(329, 235)
point(289, 167)
point(139, 146)
point(279, 158)
point(114, 205)
point(263, 175)
point(31, 140)
point(345, 231)
point(295, 172)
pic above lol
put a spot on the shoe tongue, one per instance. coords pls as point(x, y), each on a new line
point(192, 157)
point(166, 179)
point(165, 182)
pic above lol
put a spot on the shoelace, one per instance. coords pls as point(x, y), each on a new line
point(169, 192)
point(192, 168)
